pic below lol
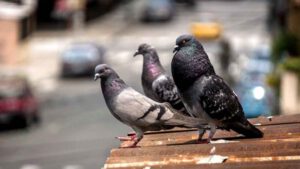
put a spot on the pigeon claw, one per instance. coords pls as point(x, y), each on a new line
point(203, 141)
point(130, 138)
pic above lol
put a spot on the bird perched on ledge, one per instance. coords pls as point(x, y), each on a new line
point(204, 93)
point(156, 83)
point(136, 110)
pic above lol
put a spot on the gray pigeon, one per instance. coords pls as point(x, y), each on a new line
point(136, 110)
point(204, 93)
point(157, 84)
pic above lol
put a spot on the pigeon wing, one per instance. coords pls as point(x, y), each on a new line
point(133, 107)
point(218, 100)
point(165, 88)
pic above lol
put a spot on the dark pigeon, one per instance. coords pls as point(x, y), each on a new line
point(204, 93)
point(157, 84)
point(136, 110)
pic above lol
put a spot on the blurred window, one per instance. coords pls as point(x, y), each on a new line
point(11, 88)
point(19, 2)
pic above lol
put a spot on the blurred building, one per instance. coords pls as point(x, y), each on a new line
point(17, 20)
point(64, 14)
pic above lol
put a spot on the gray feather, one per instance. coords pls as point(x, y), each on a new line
point(156, 83)
point(136, 110)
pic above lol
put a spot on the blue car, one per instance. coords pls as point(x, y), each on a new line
point(81, 58)
point(158, 10)
point(256, 97)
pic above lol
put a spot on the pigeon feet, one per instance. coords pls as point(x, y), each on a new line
point(203, 141)
point(134, 145)
point(129, 138)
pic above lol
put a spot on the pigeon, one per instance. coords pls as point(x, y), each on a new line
point(205, 94)
point(136, 110)
point(156, 83)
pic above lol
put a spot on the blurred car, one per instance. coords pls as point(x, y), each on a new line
point(18, 104)
point(257, 98)
point(189, 3)
point(81, 59)
point(207, 30)
point(158, 10)
point(206, 27)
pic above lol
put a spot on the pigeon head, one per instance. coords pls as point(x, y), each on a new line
point(185, 40)
point(103, 71)
point(143, 49)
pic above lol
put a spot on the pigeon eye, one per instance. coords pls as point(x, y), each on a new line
point(183, 42)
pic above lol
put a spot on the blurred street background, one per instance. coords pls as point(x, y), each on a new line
point(59, 120)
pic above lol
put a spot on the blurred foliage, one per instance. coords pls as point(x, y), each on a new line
point(285, 56)
point(285, 43)
point(273, 80)
point(292, 64)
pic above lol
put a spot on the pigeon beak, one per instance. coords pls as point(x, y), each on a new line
point(176, 48)
point(136, 53)
point(97, 76)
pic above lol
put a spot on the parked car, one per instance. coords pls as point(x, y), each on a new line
point(206, 27)
point(189, 3)
point(257, 98)
point(80, 59)
point(158, 10)
point(206, 30)
point(18, 105)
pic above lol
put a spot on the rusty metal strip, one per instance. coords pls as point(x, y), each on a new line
point(277, 120)
point(204, 158)
point(195, 160)
point(232, 148)
point(279, 147)
point(189, 137)
point(248, 165)
point(263, 121)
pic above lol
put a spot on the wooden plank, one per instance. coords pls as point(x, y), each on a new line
point(195, 161)
point(190, 149)
point(250, 165)
point(263, 121)
point(276, 120)
point(190, 137)
point(279, 148)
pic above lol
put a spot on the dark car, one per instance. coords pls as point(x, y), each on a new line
point(18, 104)
point(80, 59)
point(158, 10)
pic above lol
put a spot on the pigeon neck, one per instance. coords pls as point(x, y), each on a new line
point(112, 86)
point(188, 65)
point(151, 57)
point(152, 66)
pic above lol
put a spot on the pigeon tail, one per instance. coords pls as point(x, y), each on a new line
point(246, 128)
point(180, 120)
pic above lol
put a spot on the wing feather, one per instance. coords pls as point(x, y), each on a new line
point(134, 107)
point(218, 100)
point(166, 90)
